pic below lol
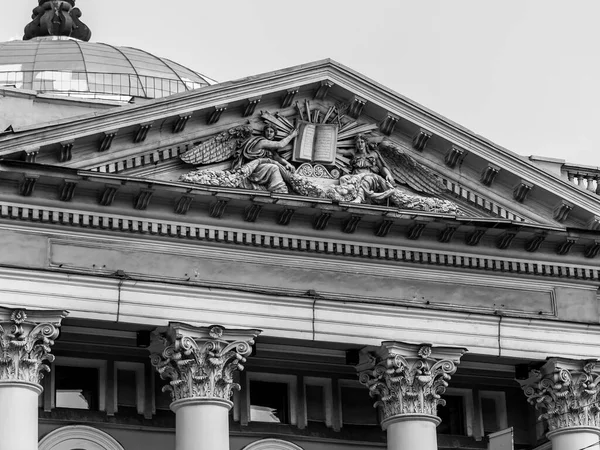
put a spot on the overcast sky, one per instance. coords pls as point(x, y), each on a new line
point(522, 73)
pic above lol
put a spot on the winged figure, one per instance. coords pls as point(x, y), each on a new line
point(380, 174)
point(256, 161)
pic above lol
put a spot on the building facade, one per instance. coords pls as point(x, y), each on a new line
point(302, 259)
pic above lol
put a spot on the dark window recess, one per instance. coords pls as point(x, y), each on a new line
point(269, 402)
point(490, 417)
point(162, 400)
point(126, 388)
point(452, 415)
point(315, 404)
point(76, 387)
point(357, 407)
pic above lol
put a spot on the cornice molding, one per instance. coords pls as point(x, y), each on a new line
point(287, 242)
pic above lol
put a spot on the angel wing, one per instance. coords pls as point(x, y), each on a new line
point(218, 148)
point(406, 170)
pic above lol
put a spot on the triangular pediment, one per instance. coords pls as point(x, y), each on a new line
point(147, 140)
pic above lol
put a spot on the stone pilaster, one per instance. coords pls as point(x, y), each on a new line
point(26, 338)
point(199, 362)
point(567, 392)
point(409, 379)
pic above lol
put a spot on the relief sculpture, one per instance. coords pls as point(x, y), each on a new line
point(356, 169)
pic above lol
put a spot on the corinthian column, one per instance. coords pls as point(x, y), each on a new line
point(567, 393)
point(25, 341)
point(199, 364)
point(407, 381)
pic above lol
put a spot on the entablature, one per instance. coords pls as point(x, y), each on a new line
point(89, 200)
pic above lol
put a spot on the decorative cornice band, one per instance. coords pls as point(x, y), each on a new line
point(312, 244)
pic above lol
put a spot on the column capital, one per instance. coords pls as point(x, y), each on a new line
point(567, 392)
point(408, 379)
point(199, 362)
point(26, 338)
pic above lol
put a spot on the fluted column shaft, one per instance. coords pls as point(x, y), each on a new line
point(407, 381)
point(567, 392)
point(26, 338)
point(199, 363)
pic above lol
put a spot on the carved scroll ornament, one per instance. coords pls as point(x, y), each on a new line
point(409, 379)
point(200, 362)
point(25, 345)
point(567, 393)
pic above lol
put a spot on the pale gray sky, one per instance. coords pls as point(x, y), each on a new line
point(522, 73)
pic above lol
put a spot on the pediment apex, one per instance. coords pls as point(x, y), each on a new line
point(449, 149)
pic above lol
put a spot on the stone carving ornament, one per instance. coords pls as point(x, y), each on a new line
point(57, 18)
point(567, 393)
point(408, 379)
point(200, 362)
point(24, 346)
point(372, 173)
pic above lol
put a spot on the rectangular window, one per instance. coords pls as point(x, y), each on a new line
point(126, 389)
point(357, 406)
point(269, 402)
point(78, 383)
point(493, 411)
point(452, 415)
point(77, 387)
point(271, 398)
point(130, 386)
point(315, 403)
point(318, 400)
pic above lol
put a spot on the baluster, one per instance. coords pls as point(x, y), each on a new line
point(590, 184)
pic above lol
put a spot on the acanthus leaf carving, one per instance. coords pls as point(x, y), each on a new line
point(408, 379)
point(566, 392)
point(200, 362)
point(26, 340)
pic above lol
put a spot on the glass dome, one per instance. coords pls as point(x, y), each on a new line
point(66, 66)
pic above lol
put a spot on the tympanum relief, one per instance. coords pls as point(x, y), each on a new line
point(318, 153)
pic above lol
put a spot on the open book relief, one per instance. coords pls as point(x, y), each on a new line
point(316, 143)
